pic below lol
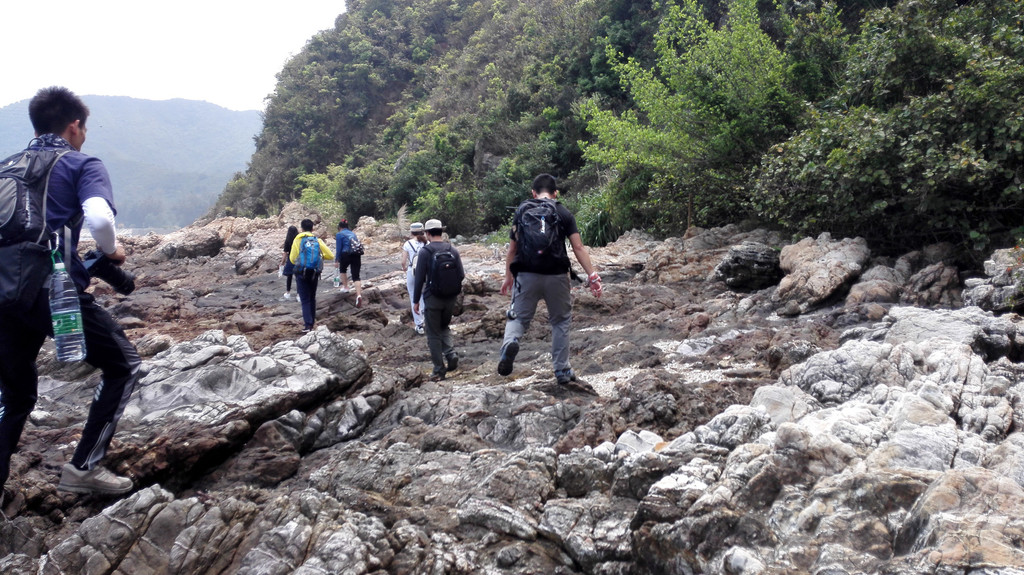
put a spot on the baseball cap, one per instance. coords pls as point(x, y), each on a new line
point(433, 225)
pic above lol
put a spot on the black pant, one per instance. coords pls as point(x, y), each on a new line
point(347, 259)
point(437, 317)
point(22, 333)
point(305, 286)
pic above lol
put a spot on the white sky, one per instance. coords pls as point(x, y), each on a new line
point(226, 52)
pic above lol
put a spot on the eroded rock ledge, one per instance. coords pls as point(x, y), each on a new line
point(730, 432)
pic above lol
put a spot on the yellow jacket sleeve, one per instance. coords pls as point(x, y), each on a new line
point(325, 251)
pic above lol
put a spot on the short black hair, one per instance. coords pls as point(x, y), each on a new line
point(545, 183)
point(307, 225)
point(343, 224)
point(53, 109)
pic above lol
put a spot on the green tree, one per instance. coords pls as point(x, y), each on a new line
point(716, 99)
point(922, 141)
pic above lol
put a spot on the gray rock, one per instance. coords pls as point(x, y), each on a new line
point(632, 442)
point(817, 268)
point(582, 471)
point(497, 517)
point(593, 530)
point(783, 404)
point(250, 261)
point(749, 265)
point(189, 243)
point(935, 285)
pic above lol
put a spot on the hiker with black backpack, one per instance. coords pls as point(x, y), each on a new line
point(76, 191)
point(537, 267)
point(308, 255)
point(438, 281)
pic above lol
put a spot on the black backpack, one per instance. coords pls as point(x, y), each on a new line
point(539, 240)
point(24, 237)
point(23, 191)
point(445, 274)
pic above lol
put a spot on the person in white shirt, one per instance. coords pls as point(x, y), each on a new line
point(410, 249)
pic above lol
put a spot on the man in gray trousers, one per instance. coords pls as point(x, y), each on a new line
point(537, 267)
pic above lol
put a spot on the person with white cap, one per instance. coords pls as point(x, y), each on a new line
point(438, 280)
point(410, 249)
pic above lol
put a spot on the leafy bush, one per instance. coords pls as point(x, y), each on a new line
point(594, 218)
point(715, 101)
point(320, 193)
point(923, 140)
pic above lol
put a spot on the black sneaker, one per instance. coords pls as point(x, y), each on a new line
point(437, 376)
point(564, 376)
point(508, 356)
point(453, 361)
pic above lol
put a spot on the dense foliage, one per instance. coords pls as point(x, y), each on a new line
point(715, 101)
point(447, 107)
point(900, 122)
point(922, 142)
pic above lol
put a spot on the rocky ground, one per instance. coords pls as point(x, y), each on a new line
point(754, 406)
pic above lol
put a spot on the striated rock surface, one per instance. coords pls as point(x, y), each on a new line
point(816, 269)
point(1000, 289)
point(856, 435)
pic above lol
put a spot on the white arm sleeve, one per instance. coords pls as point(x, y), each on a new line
point(100, 220)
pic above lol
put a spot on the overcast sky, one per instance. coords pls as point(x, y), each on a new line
point(226, 52)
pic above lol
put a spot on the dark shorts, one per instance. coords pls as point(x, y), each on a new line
point(289, 268)
point(355, 261)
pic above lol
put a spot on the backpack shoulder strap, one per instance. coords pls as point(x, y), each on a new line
point(67, 227)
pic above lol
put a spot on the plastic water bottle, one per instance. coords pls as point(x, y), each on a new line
point(337, 281)
point(66, 315)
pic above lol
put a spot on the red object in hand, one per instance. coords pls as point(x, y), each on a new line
point(594, 283)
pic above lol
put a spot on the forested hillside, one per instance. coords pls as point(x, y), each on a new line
point(897, 121)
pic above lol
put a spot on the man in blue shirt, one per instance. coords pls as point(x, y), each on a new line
point(79, 193)
point(343, 242)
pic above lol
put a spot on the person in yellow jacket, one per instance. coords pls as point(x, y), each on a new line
point(306, 278)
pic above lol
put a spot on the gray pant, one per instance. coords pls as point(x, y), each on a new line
point(530, 288)
point(437, 317)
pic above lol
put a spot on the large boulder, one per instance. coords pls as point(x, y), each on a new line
point(749, 265)
point(695, 256)
point(1002, 288)
point(189, 243)
point(819, 269)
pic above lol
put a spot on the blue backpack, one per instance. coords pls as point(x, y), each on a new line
point(310, 262)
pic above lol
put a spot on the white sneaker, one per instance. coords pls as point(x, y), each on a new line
point(287, 295)
point(343, 290)
point(97, 480)
point(420, 330)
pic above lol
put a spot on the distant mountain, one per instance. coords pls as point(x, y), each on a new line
point(168, 160)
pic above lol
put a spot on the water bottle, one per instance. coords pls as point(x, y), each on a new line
point(337, 281)
point(66, 316)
